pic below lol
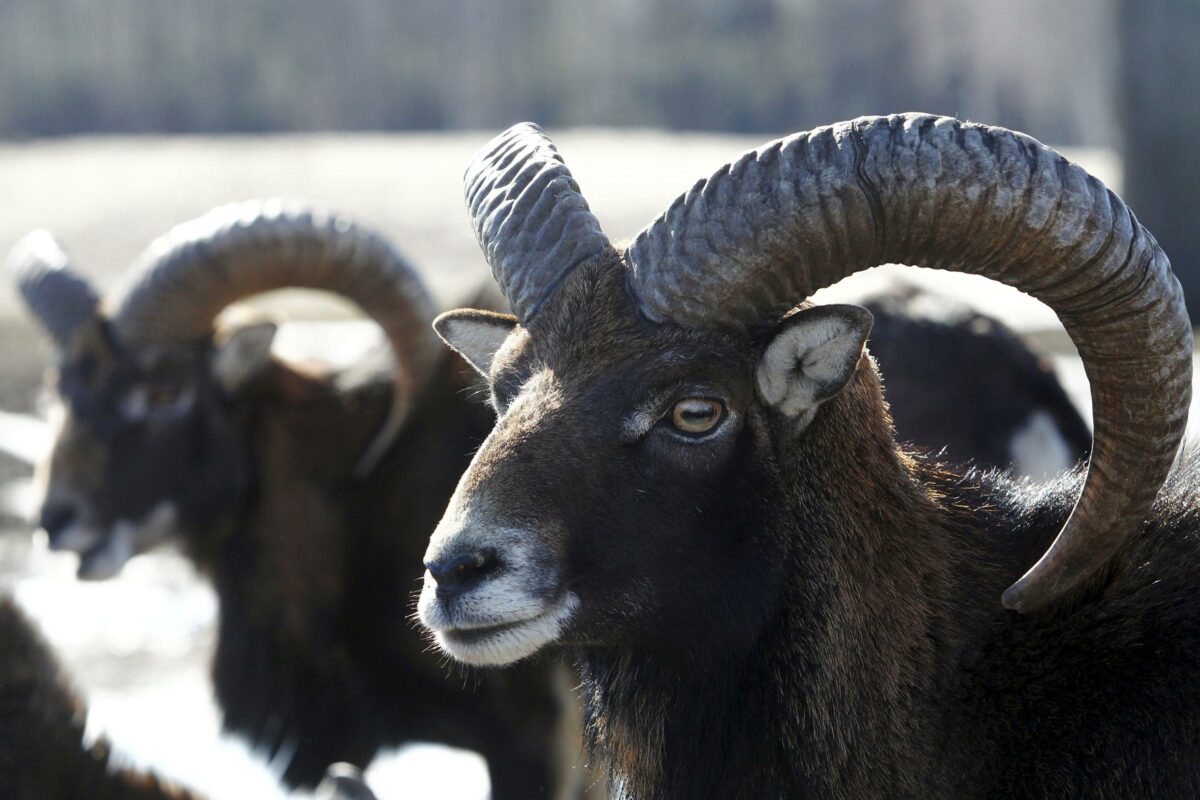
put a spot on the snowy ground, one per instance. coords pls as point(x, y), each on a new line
point(139, 645)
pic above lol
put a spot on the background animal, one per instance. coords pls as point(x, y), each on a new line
point(43, 750)
point(305, 496)
point(963, 385)
point(694, 486)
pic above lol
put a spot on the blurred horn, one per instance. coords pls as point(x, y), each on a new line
point(62, 300)
point(184, 279)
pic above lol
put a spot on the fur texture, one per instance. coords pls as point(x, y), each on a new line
point(781, 610)
point(316, 654)
point(317, 660)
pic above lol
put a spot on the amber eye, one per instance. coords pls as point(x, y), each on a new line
point(160, 396)
point(696, 415)
point(162, 401)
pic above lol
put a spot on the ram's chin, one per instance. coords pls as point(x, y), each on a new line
point(505, 643)
point(105, 561)
point(103, 555)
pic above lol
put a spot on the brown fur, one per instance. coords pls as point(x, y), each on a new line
point(781, 611)
point(314, 568)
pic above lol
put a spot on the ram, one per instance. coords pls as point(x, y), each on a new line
point(307, 498)
point(694, 488)
point(44, 754)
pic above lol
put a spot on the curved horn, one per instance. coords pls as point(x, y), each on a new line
point(184, 279)
point(62, 300)
point(803, 212)
point(531, 221)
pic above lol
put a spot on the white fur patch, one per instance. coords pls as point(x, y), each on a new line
point(1038, 450)
point(512, 642)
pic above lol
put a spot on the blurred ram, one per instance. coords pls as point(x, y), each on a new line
point(962, 381)
point(305, 496)
point(44, 753)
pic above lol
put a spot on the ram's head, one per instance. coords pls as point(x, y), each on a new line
point(644, 472)
point(147, 442)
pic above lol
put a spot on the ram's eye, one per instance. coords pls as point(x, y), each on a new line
point(162, 401)
point(162, 396)
point(696, 416)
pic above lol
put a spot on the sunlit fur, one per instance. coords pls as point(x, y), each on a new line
point(42, 752)
point(316, 571)
point(814, 612)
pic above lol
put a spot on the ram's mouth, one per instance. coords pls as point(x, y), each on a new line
point(104, 551)
point(466, 637)
point(100, 555)
point(104, 560)
point(506, 642)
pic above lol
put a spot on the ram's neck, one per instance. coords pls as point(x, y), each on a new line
point(665, 731)
point(875, 628)
point(832, 701)
point(841, 695)
point(895, 596)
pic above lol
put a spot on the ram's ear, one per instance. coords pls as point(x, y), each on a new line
point(811, 356)
point(475, 335)
point(242, 353)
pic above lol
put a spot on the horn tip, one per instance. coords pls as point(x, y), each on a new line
point(518, 135)
point(1043, 584)
point(1016, 598)
point(522, 129)
point(36, 249)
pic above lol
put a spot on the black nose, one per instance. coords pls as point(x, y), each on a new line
point(55, 517)
point(455, 572)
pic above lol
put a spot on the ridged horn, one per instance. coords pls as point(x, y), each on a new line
point(61, 300)
point(803, 212)
point(531, 221)
point(183, 280)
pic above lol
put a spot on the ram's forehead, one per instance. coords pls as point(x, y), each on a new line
point(591, 324)
point(624, 374)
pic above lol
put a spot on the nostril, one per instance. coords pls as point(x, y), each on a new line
point(458, 570)
point(56, 517)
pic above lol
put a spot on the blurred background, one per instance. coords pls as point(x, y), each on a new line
point(120, 119)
